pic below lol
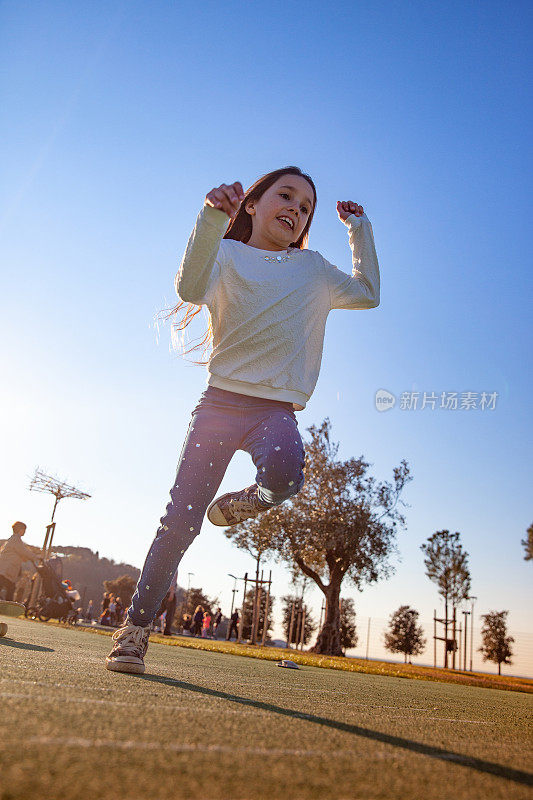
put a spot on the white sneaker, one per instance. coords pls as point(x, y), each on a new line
point(130, 645)
point(234, 507)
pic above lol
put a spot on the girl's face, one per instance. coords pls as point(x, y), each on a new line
point(290, 197)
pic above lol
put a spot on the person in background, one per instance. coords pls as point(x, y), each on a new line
point(169, 605)
point(197, 621)
point(206, 624)
point(105, 618)
point(89, 612)
point(105, 601)
point(13, 554)
point(71, 591)
point(112, 607)
point(233, 625)
point(186, 627)
point(216, 622)
point(119, 611)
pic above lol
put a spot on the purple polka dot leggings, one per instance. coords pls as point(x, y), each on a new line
point(222, 423)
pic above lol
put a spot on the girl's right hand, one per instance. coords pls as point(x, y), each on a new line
point(226, 198)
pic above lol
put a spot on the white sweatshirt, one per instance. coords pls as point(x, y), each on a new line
point(269, 318)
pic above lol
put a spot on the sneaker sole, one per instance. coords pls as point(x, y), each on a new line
point(125, 666)
point(215, 515)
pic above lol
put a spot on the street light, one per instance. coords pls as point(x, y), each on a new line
point(234, 590)
point(189, 589)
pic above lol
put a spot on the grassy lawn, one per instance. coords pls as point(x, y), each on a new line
point(205, 725)
point(348, 664)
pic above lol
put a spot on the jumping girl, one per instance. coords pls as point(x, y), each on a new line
point(269, 298)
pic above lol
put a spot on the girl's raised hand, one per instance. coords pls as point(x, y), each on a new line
point(226, 198)
point(346, 207)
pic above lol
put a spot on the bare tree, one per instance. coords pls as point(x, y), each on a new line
point(341, 524)
point(404, 634)
point(60, 489)
point(447, 565)
point(496, 644)
point(528, 544)
point(41, 482)
point(256, 541)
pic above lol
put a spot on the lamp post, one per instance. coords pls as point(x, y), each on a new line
point(188, 588)
point(472, 600)
point(234, 590)
point(466, 614)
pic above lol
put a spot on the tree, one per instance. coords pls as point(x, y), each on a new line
point(300, 608)
point(341, 524)
point(496, 644)
point(528, 544)
point(348, 626)
point(257, 542)
point(187, 603)
point(447, 565)
point(404, 635)
point(249, 612)
point(122, 587)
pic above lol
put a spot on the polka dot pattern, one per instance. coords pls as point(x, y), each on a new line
point(224, 422)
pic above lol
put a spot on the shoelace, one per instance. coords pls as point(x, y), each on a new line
point(133, 638)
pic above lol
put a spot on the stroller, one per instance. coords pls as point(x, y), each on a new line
point(53, 601)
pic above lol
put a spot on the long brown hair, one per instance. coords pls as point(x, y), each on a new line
point(240, 228)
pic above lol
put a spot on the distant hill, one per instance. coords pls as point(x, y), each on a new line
point(86, 570)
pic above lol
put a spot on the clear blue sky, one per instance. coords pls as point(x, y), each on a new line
point(118, 118)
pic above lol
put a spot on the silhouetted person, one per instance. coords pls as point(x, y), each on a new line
point(13, 554)
point(197, 621)
point(105, 601)
point(169, 605)
point(233, 625)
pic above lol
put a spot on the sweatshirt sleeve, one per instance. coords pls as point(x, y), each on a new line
point(361, 289)
point(196, 273)
point(23, 552)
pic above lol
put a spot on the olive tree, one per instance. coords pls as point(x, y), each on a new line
point(340, 526)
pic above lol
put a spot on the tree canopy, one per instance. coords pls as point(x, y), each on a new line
point(404, 634)
point(496, 643)
point(447, 565)
point(348, 624)
point(528, 544)
point(341, 525)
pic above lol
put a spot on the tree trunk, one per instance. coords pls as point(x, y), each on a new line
point(329, 638)
point(499, 668)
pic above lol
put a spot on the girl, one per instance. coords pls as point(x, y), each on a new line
point(206, 624)
point(269, 297)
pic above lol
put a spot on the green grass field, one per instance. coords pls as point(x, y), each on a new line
point(206, 725)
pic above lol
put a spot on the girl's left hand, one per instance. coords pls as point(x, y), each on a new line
point(346, 207)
